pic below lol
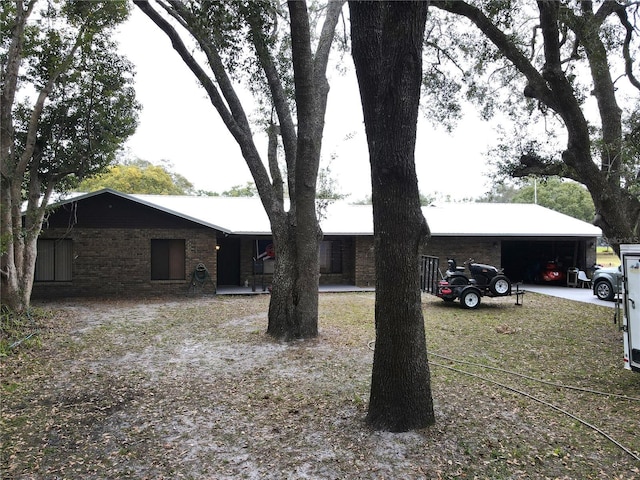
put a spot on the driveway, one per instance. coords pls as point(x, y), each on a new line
point(578, 294)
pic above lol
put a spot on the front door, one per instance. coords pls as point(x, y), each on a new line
point(229, 261)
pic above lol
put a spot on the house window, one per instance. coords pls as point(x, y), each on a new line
point(54, 260)
point(330, 256)
point(167, 260)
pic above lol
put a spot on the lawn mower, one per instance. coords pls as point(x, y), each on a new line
point(484, 280)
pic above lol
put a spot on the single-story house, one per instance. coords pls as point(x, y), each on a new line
point(111, 243)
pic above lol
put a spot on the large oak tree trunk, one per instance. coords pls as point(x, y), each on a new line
point(387, 51)
point(293, 309)
point(303, 230)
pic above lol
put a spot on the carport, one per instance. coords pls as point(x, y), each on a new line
point(519, 238)
point(523, 258)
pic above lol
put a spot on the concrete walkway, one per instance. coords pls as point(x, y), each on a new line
point(577, 294)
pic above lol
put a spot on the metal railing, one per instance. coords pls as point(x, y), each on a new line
point(429, 274)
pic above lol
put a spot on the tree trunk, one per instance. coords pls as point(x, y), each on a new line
point(617, 206)
point(387, 52)
point(19, 259)
point(302, 229)
point(293, 310)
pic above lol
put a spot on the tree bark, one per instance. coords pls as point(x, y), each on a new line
point(617, 208)
point(293, 309)
point(387, 51)
point(21, 234)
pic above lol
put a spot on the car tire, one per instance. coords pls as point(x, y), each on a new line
point(500, 285)
point(604, 290)
point(470, 299)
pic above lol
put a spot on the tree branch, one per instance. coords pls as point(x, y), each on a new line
point(326, 37)
point(38, 107)
point(233, 117)
point(536, 83)
point(272, 158)
point(628, 61)
point(533, 164)
point(10, 73)
point(287, 128)
point(311, 84)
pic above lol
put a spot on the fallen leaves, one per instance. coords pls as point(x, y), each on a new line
point(188, 389)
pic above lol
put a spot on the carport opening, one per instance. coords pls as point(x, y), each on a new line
point(523, 260)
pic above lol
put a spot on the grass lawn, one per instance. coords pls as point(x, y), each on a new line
point(606, 257)
point(193, 388)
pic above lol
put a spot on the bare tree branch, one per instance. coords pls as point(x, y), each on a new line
point(233, 116)
point(628, 61)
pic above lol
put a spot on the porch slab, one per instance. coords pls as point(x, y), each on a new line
point(237, 290)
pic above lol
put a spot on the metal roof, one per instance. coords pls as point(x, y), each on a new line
point(504, 219)
point(246, 216)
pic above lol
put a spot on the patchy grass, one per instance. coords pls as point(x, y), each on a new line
point(193, 388)
point(20, 331)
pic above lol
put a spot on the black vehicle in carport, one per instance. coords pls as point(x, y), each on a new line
point(607, 282)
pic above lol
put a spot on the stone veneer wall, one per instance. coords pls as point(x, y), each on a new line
point(117, 262)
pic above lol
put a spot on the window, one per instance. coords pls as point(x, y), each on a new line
point(330, 256)
point(167, 260)
point(54, 260)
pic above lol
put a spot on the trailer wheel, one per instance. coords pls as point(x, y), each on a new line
point(470, 299)
point(500, 285)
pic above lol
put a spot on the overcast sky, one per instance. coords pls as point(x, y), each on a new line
point(178, 124)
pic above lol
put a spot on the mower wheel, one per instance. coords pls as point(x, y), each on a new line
point(500, 285)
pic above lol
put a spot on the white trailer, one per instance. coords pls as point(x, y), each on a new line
point(630, 260)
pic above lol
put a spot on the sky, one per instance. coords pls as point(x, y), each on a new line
point(178, 124)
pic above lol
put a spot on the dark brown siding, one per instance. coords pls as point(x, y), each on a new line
point(112, 211)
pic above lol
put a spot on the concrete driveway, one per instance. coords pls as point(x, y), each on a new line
point(578, 294)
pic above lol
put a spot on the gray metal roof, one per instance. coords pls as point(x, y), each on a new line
point(246, 216)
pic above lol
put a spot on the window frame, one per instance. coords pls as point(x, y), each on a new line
point(59, 260)
point(168, 259)
point(330, 259)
